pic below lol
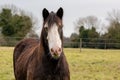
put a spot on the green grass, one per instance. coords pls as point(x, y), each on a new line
point(94, 64)
point(6, 63)
point(90, 64)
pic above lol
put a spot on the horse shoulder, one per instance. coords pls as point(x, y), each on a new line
point(22, 46)
point(35, 69)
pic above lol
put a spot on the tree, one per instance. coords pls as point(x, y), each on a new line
point(14, 25)
point(74, 37)
point(113, 33)
point(86, 28)
point(74, 40)
point(114, 25)
point(92, 33)
point(87, 22)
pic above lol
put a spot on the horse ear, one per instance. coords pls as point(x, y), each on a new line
point(60, 13)
point(45, 13)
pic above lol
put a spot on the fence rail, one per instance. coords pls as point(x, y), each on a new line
point(82, 43)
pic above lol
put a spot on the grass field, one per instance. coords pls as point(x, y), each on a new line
point(90, 64)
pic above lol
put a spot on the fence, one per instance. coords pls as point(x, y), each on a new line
point(100, 43)
point(94, 43)
point(82, 43)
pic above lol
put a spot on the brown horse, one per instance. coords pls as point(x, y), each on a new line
point(43, 59)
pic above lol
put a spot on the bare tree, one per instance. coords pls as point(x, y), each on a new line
point(114, 16)
point(88, 22)
point(114, 25)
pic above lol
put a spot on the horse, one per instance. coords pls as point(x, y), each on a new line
point(44, 58)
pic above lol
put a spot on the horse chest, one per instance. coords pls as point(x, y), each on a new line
point(53, 77)
point(47, 75)
point(47, 71)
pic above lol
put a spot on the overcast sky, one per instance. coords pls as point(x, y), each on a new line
point(73, 9)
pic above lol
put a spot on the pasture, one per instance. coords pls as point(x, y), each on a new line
point(90, 64)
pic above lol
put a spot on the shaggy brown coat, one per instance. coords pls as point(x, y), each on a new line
point(32, 61)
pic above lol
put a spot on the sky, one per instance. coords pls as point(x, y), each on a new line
point(73, 9)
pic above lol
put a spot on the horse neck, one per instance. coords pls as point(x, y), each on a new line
point(46, 58)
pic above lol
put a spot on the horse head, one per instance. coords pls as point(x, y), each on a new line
point(52, 32)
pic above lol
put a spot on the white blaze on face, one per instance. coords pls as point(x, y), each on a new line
point(53, 37)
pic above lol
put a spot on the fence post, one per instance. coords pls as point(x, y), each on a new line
point(80, 44)
point(105, 44)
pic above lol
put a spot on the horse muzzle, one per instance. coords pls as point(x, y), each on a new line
point(56, 52)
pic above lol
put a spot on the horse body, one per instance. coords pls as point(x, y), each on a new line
point(34, 61)
point(22, 56)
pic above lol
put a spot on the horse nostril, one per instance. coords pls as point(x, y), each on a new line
point(52, 50)
point(56, 51)
point(59, 50)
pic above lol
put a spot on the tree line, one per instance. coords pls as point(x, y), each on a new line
point(93, 33)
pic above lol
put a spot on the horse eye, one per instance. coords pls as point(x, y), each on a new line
point(46, 29)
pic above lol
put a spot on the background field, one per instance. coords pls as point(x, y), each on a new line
point(90, 64)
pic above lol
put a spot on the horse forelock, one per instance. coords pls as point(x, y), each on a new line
point(52, 19)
